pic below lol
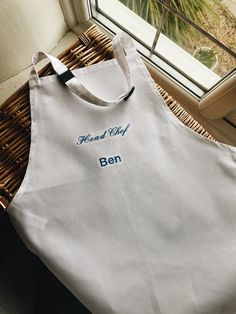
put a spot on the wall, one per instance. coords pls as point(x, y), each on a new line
point(26, 27)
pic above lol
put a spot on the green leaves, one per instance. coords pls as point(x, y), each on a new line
point(174, 27)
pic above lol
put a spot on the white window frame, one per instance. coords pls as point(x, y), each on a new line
point(209, 104)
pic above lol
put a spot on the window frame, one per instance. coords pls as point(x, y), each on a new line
point(185, 93)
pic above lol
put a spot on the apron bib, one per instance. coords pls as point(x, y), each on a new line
point(133, 211)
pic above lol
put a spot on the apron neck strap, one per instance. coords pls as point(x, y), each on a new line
point(121, 44)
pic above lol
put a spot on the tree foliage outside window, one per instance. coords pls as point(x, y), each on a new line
point(212, 15)
point(174, 27)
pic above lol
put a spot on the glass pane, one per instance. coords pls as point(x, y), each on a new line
point(211, 15)
point(186, 49)
point(131, 16)
point(199, 46)
point(217, 17)
point(149, 10)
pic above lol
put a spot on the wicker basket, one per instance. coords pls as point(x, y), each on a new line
point(91, 47)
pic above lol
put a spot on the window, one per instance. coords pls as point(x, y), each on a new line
point(192, 41)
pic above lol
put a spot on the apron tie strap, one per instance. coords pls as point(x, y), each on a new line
point(121, 43)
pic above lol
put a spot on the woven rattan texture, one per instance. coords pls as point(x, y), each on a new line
point(91, 47)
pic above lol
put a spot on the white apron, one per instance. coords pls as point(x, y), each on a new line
point(133, 211)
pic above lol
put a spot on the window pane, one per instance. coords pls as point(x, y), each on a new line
point(216, 17)
point(199, 46)
point(187, 50)
point(128, 19)
point(150, 10)
point(211, 15)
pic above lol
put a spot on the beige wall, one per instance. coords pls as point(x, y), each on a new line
point(26, 27)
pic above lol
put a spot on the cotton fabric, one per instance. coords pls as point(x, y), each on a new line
point(133, 211)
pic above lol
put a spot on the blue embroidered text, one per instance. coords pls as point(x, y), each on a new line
point(111, 132)
point(104, 161)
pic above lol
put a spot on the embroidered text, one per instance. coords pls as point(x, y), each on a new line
point(111, 132)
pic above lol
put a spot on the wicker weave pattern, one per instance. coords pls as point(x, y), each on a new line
point(91, 47)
